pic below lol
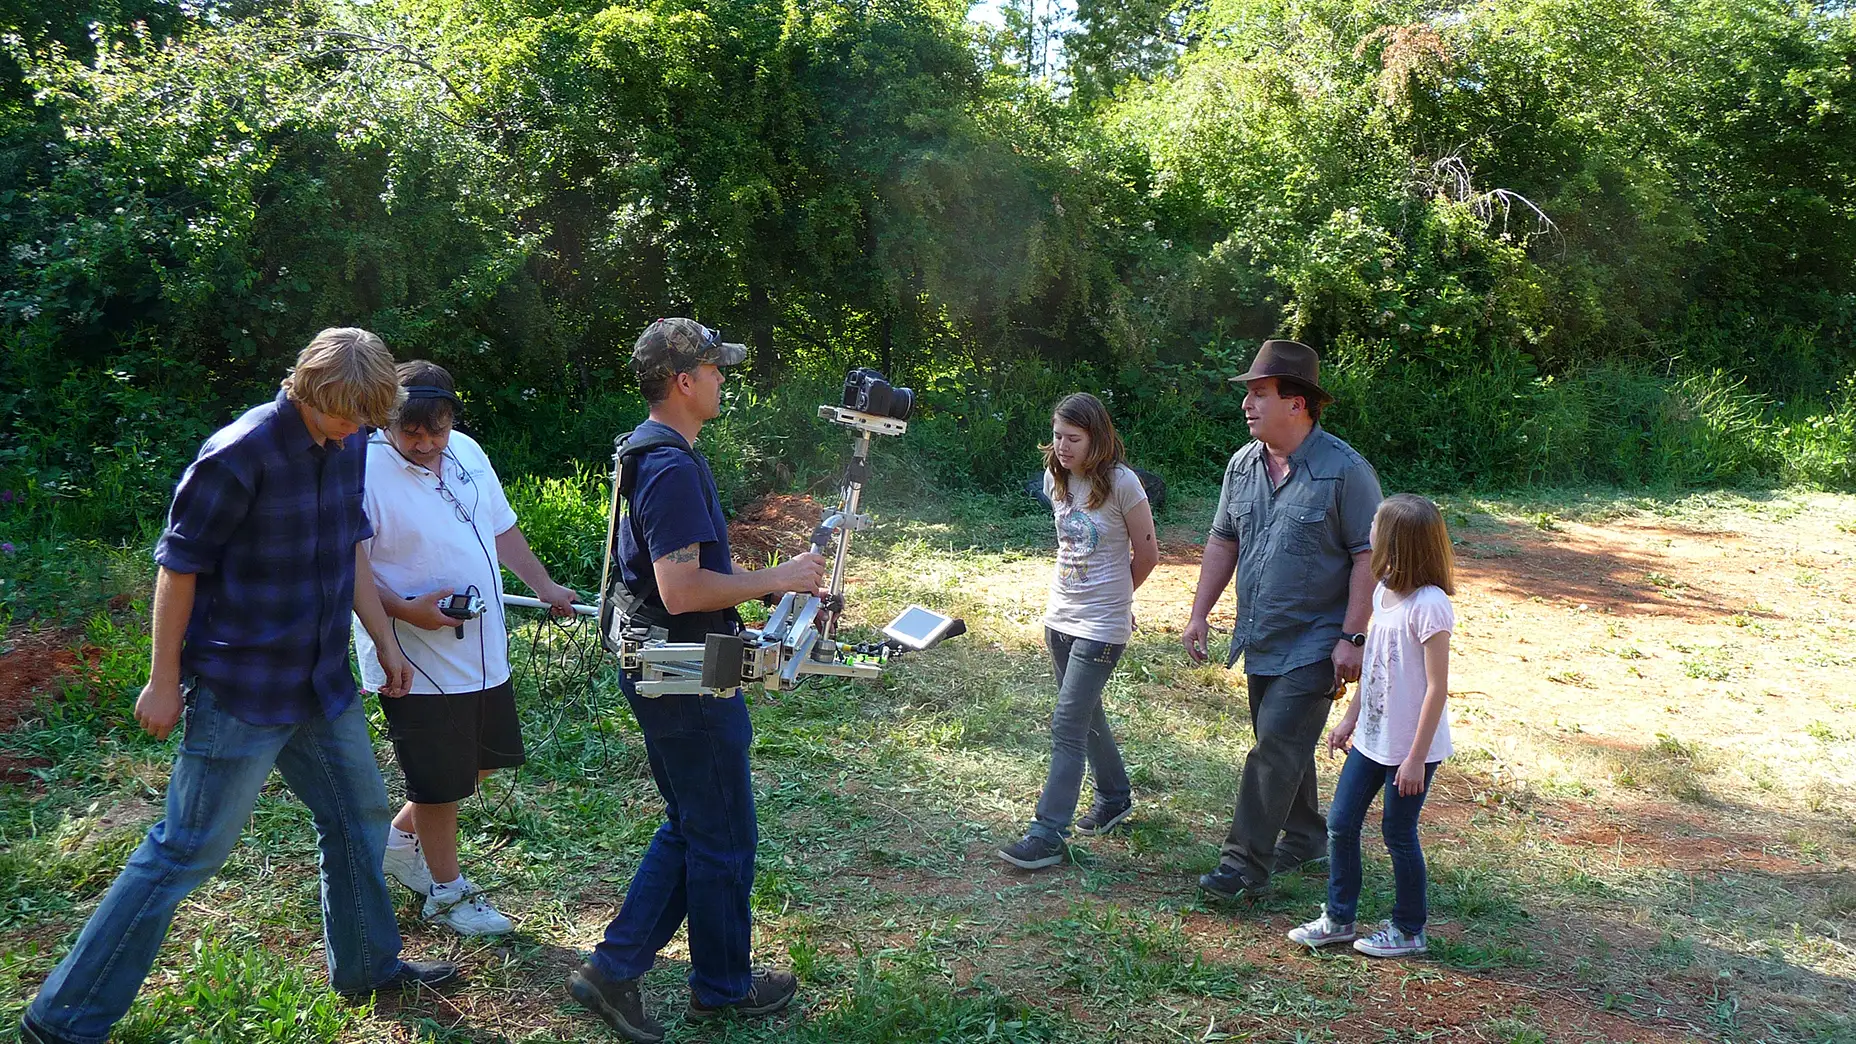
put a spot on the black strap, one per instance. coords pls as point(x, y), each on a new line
point(630, 448)
point(682, 626)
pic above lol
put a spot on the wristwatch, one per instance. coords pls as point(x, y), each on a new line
point(1353, 639)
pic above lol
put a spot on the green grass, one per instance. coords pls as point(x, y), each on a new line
point(879, 808)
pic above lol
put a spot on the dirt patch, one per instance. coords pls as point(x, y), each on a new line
point(779, 524)
point(35, 663)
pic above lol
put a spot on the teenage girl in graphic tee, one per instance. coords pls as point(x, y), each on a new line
point(1105, 548)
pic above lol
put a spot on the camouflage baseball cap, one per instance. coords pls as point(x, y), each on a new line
point(672, 346)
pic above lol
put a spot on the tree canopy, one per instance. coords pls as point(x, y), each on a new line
point(1470, 210)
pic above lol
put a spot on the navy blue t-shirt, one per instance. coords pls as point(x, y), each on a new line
point(674, 504)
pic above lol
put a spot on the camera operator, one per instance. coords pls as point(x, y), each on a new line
point(442, 527)
point(673, 551)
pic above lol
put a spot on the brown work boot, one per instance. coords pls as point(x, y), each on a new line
point(772, 990)
point(617, 1001)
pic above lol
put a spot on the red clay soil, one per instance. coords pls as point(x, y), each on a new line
point(34, 664)
point(777, 524)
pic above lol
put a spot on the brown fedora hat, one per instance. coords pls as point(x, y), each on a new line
point(1287, 359)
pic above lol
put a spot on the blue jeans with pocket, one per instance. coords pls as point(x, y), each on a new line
point(700, 863)
point(1079, 734)
point(220, 768)
point(1360, 779)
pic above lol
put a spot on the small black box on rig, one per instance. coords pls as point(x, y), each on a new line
point(721, 661)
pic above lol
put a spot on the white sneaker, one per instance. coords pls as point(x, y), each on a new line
point(1322, 932)
point(407, 866)
point(464, 909)
point(1389, 941)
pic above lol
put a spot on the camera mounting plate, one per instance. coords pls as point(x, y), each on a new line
point(869, 422)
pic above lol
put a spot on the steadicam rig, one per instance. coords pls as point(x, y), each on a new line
point(799, 639)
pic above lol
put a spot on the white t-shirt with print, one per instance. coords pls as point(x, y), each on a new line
point(421, 543)
point(1392, 678)
point(1092, 588)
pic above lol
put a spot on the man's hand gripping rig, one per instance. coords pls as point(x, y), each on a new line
point(799, 639)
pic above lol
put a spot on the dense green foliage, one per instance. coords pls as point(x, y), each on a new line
point(1542, 240)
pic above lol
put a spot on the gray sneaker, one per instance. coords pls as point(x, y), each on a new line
point(1032, 852)
point(1323, 931)
point(1391, 941)
point(1102, 818)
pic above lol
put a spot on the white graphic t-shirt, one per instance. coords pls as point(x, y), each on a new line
point(1392, 679)
point(1092, 590)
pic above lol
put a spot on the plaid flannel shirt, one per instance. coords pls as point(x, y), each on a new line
point(268, 520)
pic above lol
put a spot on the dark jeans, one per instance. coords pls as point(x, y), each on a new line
point(1079, 733)
point(700, 864)
point(221, 766)
point(1360, 778)
point(1277, 808)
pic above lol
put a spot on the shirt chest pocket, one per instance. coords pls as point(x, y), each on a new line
point(1243, 522)
point(1304, 529)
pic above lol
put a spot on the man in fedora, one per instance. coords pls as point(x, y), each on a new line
point(1293, 522)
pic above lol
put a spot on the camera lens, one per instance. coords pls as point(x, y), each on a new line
point(901, 401)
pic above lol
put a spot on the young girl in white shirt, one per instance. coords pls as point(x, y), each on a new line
point(1396, 730)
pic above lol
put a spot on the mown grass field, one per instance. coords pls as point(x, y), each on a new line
point(1648, 833)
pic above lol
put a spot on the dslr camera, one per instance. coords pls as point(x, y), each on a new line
point(866, 391)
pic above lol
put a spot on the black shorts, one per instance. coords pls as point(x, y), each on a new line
point(442, 740)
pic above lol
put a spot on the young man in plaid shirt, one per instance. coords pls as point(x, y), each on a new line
point(259, 571)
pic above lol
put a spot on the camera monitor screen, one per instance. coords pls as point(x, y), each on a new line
point(918, 628)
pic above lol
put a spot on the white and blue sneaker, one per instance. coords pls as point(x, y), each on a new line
point(1390, 941)
point(462, 907)
point(407, 866)
point(1323, 931)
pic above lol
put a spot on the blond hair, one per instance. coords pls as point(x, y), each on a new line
point(347, 372)
point(1411, 546)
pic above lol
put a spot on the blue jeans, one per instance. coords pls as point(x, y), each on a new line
point(1079, 733)
point(222, 764)
point(700, 863)
point(1361, 778)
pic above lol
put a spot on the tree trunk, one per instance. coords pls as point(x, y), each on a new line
point(760, 335)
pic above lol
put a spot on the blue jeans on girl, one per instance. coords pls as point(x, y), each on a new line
point(1361, 778)
point(1079, 733)
point(222, 764)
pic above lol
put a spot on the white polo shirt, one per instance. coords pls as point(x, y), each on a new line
point(422, 542)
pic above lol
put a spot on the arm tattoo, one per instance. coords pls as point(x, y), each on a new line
point(685, 554)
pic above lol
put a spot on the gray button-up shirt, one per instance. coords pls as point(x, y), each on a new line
point(1295, 548)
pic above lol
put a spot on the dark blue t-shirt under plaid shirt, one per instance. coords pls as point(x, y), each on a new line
point(267, 519)
point(674, 504)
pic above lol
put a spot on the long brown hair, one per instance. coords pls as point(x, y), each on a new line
point(1085, 411)
point(1411, 547)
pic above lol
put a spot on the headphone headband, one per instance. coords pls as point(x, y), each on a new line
point(427, 391)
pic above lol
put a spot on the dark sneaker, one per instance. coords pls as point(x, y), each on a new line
point(1032, 852)
point(1286, 864)
point(772, 990)
point(412, 975)
point(1229, 883)
point(1102, 818)
point(617, 1001)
